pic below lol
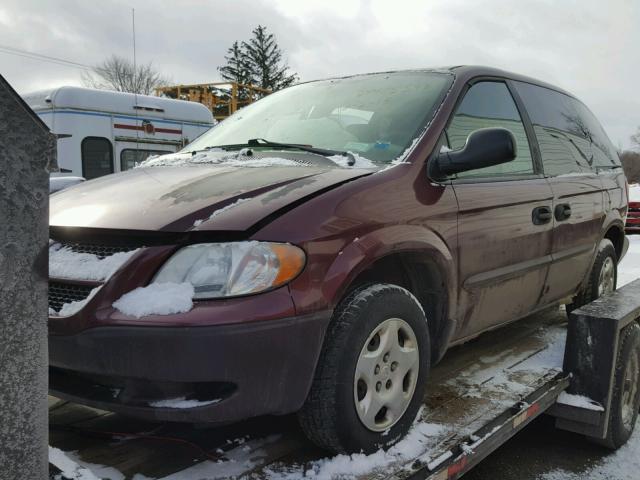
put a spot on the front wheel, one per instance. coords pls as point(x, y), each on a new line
point(372, 372)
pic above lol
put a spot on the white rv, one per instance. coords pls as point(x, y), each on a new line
point(101, 132)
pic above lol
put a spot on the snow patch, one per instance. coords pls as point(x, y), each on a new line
point(634, 192)
point(74, 469)
point(420, 438)
point(72, 308)
point(623, 464)
point(67, 264)
point(156, 299)
point(629, 268)
point(240, 201)
point(217, 157)
point(360, 161)
point(579, 401)
point(237, 462)
point(182, 402)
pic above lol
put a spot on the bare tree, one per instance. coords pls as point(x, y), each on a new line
point(631, 165)
point(635, 138)
point(118, 73)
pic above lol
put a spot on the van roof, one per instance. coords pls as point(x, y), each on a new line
point(118, 102)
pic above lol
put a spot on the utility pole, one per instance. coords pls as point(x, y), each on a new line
point(27, 153)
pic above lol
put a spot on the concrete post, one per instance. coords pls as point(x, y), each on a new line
point(27, 151)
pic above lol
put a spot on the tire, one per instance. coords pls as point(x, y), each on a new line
point(352, 364)
point(592, 290)
point(625, 402)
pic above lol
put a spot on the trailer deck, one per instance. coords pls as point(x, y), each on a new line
point(480, 395)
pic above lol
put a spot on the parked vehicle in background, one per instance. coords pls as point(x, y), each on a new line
point(102, 132)
point(633, 215)
point(317, 251)
point(60, 183)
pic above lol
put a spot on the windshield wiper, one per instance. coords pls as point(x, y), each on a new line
point(261, 142)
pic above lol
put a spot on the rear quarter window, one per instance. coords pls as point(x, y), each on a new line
point(570, 138)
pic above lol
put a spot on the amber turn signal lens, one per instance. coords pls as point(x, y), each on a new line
point(291, 260)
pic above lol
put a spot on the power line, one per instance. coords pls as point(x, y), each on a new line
point(44, 58)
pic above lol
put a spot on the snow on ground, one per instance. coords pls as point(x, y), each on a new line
point(629, 268)
point(634, 192)
point(623, 464)
point(417, 441)
point(157, 299)
point(73, 469)
point(238, 461)
point(65, 263)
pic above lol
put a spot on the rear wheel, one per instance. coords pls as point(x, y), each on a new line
point(625, 401)
point(602, 279)
point(372, 372)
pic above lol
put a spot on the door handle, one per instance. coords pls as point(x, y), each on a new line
point(562, 211)
point(541, 215)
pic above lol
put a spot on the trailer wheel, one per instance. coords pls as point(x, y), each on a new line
point(371, 375)
point(602, 278)
point(625, 401)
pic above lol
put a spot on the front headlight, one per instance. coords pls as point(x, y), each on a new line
point(236, 268)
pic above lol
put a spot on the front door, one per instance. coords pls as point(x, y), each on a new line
point(504, 220)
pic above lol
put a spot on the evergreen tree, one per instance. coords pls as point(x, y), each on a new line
point(237, 68)
point(264, 58)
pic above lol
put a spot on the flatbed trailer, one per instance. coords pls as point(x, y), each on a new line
point(480, 395)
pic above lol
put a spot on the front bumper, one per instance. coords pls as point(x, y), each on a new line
point(230, 372)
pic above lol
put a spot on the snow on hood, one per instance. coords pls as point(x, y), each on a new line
point(172, 199)
point(246, 158)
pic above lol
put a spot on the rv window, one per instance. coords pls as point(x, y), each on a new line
point(129, 157)
point(97, 157)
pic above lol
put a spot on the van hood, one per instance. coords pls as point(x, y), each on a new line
point(187, 198)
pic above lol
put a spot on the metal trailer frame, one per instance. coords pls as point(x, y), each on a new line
point(589, 369)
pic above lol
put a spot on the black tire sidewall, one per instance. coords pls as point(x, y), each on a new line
point(389, 302)
point(606, 251)
point(589, 292)
point(618, 434)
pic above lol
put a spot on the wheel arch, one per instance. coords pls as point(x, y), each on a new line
point(412, 257)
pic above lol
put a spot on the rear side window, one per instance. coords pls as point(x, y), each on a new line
point(570, 138)
point(486, 105)
point(97, 157)
point(129, 157)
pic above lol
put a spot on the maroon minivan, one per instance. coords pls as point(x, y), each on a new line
point(317, 251)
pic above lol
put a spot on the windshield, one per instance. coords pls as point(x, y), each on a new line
point(376, 116)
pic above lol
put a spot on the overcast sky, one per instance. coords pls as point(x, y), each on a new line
point(589, 47)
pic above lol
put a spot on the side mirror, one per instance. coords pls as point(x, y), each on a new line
point(484, 148)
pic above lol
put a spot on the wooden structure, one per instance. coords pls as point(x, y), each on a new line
point(222, 98)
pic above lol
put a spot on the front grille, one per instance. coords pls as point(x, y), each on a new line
point(61, 293)
point(101, 251)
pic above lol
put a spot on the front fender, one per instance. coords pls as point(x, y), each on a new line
point(363, 251)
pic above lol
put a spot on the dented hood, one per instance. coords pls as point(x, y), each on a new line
point(184, 198)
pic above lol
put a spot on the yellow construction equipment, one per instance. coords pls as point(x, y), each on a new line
point(222, 98)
